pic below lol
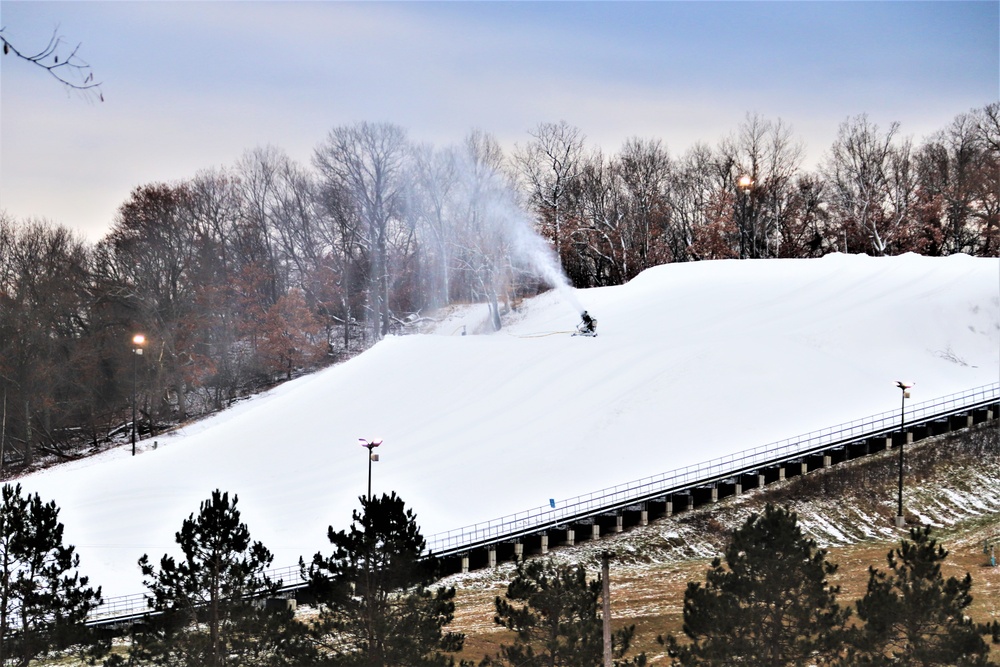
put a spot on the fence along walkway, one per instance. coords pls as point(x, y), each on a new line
point(622, 495)
point(127, 607)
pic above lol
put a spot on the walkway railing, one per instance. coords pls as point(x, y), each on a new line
point(127, 607)
point(622, 495)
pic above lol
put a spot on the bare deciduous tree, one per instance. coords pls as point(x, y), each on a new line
point(645, 168)
point(692, 195)
point(549, 164)
point(871, 184)
point(44, 293)
point(763, 151)
point(368, 161)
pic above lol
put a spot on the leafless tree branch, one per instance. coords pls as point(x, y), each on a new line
point(68, 69)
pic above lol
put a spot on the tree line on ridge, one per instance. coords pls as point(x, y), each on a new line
point(242, 276)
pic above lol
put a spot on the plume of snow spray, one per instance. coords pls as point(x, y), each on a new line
point(496, 226)
point(527, 246)
point(539, 255)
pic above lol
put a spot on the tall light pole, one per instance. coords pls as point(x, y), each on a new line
point(905, 387)
point(138, 341)
point(744, 184)
point(372, 456)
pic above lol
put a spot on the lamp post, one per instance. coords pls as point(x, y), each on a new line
point(372, 456)
point(744, 184)
point(905, 387)
point(138, 341)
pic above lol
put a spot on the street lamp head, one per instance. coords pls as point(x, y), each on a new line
point(905, 386)
point(744, 183)
point(370, 445)
point(138, 340)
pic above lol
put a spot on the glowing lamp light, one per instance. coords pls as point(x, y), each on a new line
point(138, 341)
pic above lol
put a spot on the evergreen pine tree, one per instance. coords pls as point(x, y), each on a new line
point(913, 615)
point(43, 600)
point(375, 607)
point(559, 623)
point(208, 606)
point(770, 604)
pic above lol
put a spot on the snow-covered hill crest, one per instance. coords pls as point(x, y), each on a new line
point(692, 361)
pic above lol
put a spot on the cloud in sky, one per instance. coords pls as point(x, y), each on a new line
point(192, 85)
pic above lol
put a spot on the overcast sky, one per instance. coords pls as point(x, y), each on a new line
point(193, 85)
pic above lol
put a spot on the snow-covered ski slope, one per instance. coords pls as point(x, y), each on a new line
point(692, 361)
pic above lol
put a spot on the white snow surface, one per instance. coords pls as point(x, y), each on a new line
point(692, 361)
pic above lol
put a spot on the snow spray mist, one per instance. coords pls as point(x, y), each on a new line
point(529, 246)
point(512, 227)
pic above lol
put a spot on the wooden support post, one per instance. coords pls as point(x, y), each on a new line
point(669, 510)
point(595, 531)
point(618, 523)
point(491, 556)
point(518, 552)
point(465, 563)
point(570, 537)
point(545, 543)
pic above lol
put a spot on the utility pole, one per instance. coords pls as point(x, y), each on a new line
point(606, 601)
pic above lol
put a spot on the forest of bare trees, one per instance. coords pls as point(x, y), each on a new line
point(242, 276)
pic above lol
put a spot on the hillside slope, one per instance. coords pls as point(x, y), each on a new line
point(693, 361)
